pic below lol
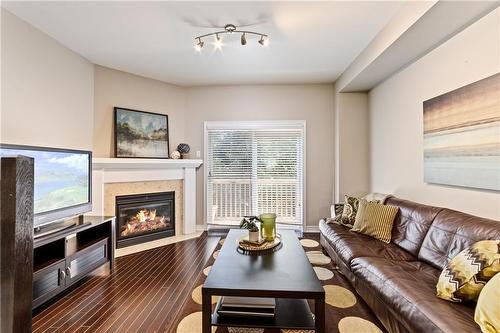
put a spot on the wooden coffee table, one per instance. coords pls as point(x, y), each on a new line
point(285, 274)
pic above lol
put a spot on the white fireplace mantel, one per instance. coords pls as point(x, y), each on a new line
point(143, 163)
point(121, 170)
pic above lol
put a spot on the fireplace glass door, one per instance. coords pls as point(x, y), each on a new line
point(144, 217)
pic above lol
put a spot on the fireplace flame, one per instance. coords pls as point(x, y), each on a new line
point(144, 220)
point(146, 215)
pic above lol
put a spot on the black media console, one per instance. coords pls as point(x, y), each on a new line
point(64, 257)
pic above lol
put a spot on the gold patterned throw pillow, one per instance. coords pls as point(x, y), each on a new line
point(338, 208)
point(467, 273)
point(337, 219)
point(349, 211)
point(375, 220)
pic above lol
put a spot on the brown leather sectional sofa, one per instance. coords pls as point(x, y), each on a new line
point(398, 280)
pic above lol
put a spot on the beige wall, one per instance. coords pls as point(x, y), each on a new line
point(352, 145)
point(396, 118)
point(313, 103)
point(115, 88)
point(47, 90)
point(188, 108)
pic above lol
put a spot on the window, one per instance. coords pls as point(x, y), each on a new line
point(253, 168)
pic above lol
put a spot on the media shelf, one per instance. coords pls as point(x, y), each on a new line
point(48, 254)
point(66, 256)
point(293, 314)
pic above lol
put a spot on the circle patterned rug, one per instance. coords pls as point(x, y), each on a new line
point(206, 270)
point(345, 311)
point(196, 296)
point(356, 325)
point(323, 273)
point(191, 324)
point(245, 330)
point(306, 242)
point(339, 297)
point(216, 254)
point(318, 258)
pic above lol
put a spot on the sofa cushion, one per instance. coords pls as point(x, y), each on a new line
point(349, 245)
point(452, 232)
point(408, 290)
point(411, 223)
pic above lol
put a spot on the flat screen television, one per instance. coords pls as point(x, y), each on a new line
point(63, 179)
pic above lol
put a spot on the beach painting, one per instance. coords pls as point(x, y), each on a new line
point(140, 134)
point(462, 136)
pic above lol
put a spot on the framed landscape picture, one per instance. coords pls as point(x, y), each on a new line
point(140, 134)
point(462, 136)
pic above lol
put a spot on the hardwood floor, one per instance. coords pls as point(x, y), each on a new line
point(158, 291)
point(144, 294)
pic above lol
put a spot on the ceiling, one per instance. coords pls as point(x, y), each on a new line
point(420, 38)
point(310, 42)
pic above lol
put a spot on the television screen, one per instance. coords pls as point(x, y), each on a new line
point(62, 181)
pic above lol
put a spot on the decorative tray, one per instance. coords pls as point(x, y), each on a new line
point(245, 245)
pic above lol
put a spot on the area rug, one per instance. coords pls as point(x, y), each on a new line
point(346, 312)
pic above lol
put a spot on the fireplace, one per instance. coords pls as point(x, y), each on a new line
point(144, 217)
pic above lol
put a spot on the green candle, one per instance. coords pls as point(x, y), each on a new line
point(268, 226)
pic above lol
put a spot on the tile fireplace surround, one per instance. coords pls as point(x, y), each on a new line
point(121, 176)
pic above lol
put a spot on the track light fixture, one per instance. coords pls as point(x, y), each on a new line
point(230, 29)
point(264, 41)
point(199, 45)
point(218, 42)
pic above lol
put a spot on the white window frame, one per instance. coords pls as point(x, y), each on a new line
point(254, 124)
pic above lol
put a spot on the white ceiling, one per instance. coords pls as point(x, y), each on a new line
point(422, 37)
point(310, 42)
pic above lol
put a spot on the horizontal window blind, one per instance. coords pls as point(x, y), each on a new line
point(253, 170)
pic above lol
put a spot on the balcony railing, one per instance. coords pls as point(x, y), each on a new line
point(234, 198)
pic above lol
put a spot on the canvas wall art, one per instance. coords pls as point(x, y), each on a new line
point(140, 134)
point(462, 136)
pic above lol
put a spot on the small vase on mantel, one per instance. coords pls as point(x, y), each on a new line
point(184, 149)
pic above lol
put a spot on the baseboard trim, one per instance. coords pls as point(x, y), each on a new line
point(201, 228)
point(311, 228)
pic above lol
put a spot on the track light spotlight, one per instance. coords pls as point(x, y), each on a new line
point(243, 39)
point(218, 42)
point(199, 45)
point(264, 41)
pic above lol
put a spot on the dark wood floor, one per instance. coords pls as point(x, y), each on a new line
point(144, 293)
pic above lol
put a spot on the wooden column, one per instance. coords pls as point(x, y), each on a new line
point(16, 243)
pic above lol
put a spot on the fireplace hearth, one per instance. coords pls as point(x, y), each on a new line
point(144, 217)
